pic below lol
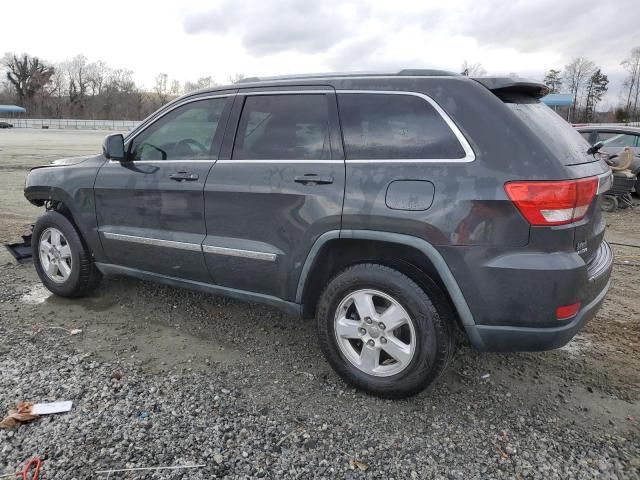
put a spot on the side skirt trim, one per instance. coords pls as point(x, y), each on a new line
point(290, 308)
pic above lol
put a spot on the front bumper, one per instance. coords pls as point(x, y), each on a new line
point(546, 333)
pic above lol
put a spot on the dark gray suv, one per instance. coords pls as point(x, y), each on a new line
point(393, 208)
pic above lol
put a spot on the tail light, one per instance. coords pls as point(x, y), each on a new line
point(553, 203)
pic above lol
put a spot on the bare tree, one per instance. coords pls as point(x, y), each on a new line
point(58, 87)
point(78, 76)
point(175, 89)
point(27, 74)
point(236, 77)
point(576, 76)
point(202, 82)
point(161, 89)
point(97, 73)
point(472, 69)
point(632, 65)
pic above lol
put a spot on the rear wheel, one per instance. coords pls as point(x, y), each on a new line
point(382, 333)
point(62, 261)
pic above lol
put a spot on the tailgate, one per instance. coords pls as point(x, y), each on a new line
point(589, 232)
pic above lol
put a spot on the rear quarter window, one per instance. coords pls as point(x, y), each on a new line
point(559, 137)
point(394, 126)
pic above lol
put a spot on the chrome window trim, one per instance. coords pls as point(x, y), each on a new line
point(337, 161)
point(469, 153)
point(157, 242)
point(237, 252)
point(152, 121)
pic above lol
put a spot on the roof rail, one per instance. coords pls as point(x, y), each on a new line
point(414, 72)
point(426, 72)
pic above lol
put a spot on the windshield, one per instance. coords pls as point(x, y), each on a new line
point(559, 136)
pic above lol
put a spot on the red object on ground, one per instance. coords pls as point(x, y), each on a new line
point(30, 473)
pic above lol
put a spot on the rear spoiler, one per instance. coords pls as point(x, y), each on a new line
point(500, 85)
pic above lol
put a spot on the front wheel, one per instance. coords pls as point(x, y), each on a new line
point(62, 261)
point(382, 332)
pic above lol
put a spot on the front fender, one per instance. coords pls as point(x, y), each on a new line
point(73, 187)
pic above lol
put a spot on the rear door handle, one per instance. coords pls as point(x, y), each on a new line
point(313, 179)
point(184, 177)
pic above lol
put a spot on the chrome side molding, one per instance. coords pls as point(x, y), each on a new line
point(196, 247)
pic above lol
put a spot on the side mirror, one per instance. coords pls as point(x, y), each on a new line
point(113, 147)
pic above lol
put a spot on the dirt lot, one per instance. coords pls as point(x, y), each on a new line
point(161, 377)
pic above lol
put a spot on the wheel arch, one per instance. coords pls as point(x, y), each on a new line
point(58, 200)
point(413, 256)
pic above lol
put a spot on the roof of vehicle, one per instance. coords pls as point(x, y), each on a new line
point(602, 127)
point(498, 85)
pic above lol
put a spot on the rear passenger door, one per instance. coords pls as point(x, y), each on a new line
point(278, 186)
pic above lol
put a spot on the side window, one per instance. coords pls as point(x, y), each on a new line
point(283, 127)
point(386, 126)
point(612, 139)
point(185, 133)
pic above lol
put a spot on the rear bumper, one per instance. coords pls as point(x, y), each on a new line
point(529, 294)
point(525, 339)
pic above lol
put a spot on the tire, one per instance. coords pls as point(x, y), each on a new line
point(429, 329)
point(76, 274)
point(609, 203)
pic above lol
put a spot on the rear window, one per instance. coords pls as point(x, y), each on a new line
point(564, 142)
point(389, 126)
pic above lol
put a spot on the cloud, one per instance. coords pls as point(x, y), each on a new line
point(603, 31)
point(520, 36)
point(267, 28)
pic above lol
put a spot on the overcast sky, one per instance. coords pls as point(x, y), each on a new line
point(188, 39)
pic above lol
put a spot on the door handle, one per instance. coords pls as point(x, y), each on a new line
point(313, 179)
point(184, 177)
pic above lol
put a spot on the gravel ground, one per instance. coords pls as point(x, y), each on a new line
point(166, 377)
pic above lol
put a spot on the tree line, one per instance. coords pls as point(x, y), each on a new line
point(583, 79)
point(77, 88)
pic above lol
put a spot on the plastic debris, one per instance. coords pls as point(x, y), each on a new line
point(485, 376)
point(27, 411)
point(53, 407)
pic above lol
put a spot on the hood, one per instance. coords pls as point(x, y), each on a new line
point(65, 162)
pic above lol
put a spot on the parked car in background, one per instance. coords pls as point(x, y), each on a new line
point(389, 207)
point(614, 139)
point(5, 125)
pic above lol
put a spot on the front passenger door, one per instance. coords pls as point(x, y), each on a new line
point(150, 208)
